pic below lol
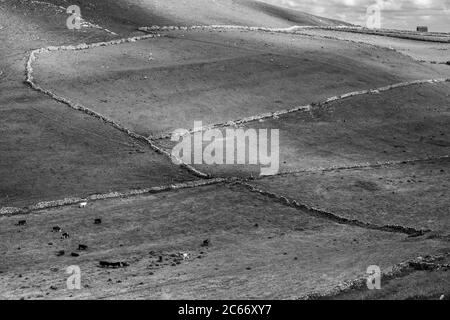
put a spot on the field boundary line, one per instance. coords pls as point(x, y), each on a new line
point(306, 108)
point(69, 201)
point(327, 215)
point(294, 30)
point(370, 44)
point(441, 37)
point(380, 164)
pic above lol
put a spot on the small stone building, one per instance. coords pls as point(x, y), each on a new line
point(422, 29)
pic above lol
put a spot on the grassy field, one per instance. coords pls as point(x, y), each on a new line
point(158, 85)
point(413, 195)
point(258, 248)
point(260, 244)
point(396, 125)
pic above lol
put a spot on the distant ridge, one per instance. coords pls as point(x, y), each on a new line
point(291, 15)
point(129, 13)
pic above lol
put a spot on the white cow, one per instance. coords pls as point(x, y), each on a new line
point(83, 204)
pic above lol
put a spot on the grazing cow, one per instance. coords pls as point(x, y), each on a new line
point(83, 204)
point(65, 235)
point(82, 247)
point(56, 229)
point(97, 221)
point(106, 264)
point(205, 243)
point(184, 255)
point(21, 223)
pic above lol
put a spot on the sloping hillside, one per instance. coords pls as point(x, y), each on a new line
point(364, 156)
point(132, 13)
